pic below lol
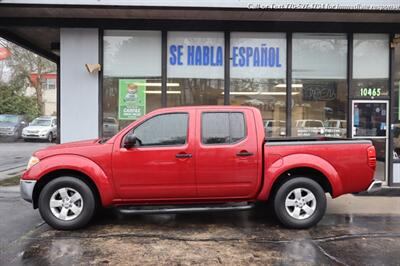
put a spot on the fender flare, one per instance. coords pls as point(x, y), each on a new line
point(293, 161)
point(76, 163)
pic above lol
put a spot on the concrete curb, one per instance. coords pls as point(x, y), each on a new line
point(9, 189)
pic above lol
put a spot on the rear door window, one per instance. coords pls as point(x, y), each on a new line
point(222, 127)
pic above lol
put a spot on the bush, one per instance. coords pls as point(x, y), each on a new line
point(13, 102)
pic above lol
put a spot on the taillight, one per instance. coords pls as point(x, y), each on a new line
point(371, 153)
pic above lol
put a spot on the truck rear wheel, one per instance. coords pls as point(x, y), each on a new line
point(66, 203)
point(300, 203)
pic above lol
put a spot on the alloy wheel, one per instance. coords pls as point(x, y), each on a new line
point(300, 203)
point(66, 204)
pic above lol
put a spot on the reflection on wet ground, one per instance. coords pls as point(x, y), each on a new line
point(233, 238)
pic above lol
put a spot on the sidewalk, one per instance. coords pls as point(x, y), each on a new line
point(350, 204)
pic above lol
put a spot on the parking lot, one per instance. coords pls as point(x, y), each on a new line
point(232, 238)
point(16, 154)
point(355, 231)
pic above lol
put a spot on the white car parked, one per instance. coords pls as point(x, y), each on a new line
point(44, 127)
point(309, 128)
point(335, 128)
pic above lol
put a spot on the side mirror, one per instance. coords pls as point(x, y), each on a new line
point(130, 141)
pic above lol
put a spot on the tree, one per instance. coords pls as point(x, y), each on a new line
point(22, 64)
point(13, 101)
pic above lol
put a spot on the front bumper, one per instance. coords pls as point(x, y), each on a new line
point(34, 136)
point(26, 187)
point(8, 134)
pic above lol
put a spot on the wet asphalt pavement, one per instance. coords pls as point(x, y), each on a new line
point(228, 238)
point(15, 154)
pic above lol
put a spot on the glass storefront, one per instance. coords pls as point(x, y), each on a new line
point(258, 76)
point(195, 68)
point(369, 91)
point(196, 73)
point(370, 66)
point(131, 77)
point(319, 86)
point(396, 116)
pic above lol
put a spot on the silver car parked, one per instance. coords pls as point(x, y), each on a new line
point(11, 126)
point(44, 127)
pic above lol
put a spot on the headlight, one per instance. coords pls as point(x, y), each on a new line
point(43, 132)
point(32, 161)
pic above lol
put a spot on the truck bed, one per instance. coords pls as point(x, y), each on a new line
point(310, 140)
point(344, 160)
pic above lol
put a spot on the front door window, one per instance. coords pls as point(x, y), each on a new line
point(163, 130)
point(370, 121)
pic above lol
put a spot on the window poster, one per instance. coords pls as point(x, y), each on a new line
point(131, 99)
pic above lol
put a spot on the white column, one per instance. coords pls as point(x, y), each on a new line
point(79, 90)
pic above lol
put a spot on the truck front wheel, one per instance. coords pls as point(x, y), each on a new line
point(66, 203)
point(300, 203)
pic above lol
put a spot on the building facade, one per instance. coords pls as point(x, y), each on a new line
point(49, 92)
point(311, 71)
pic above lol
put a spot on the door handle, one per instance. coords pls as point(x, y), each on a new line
point(244, 153)
point(183, 155)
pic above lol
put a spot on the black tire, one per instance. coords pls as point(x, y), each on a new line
point(50, 137)
point(287, 189)
point(88, 207)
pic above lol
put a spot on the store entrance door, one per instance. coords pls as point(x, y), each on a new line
point(370, 121)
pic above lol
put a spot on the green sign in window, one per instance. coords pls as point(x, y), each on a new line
point(132, 99)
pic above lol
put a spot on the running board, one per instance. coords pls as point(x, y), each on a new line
point(184, 209)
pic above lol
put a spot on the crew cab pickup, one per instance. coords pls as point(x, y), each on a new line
point(196, 159)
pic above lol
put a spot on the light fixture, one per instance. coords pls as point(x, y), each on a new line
point(395, 42)
point(159, 92)
point(92, 68)
point(55, 47)
point(283, 85)
point(275, 93)
point(156, 84)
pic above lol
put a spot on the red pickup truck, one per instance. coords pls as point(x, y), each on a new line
point(210, 158)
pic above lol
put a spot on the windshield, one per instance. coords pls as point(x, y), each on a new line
point(330, 123)
point(41, 122)
point(9, 118)
point(313, 124)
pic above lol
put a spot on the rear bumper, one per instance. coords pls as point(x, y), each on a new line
point(26, 188)
point(374, 186)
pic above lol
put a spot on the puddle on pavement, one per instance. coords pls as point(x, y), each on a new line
point(217, 238)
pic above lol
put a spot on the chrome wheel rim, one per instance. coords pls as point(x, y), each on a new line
point(300, 203)
point(66, 204)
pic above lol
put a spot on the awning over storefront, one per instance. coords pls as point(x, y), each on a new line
point(36, 24)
